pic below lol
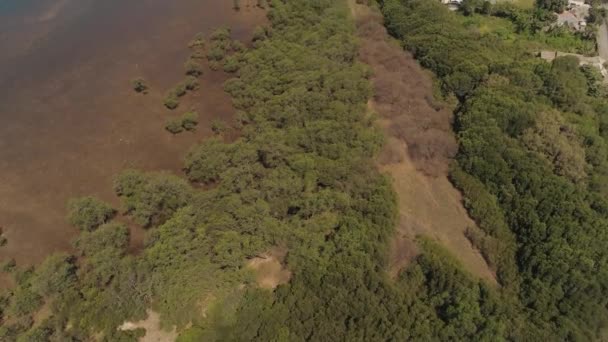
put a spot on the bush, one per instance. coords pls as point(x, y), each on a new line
point(215, 65)
point(237, 46)
point(216, 53)
point(218, 126)
point(139, 85)
point(198, 54)
point(111, 238)
point(8, 266)
point(152, 198)
point(198, 41)
point(193, 68)
point(220, 34)
point(191, 83)
point(231, 64)
point(193, 334)
point(88, 213)
point(24, 302)
point(37, 334)
point(56, 274)
point(171, 101)
point(180, 89)
point(259, 33)
point(206, 162)
point(174, 126)
point(189, 120)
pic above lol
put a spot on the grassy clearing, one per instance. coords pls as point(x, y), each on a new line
point(505, 30)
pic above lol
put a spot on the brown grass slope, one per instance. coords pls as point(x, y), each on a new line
point(420, 145)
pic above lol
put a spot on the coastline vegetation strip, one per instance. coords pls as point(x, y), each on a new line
point(302, 178)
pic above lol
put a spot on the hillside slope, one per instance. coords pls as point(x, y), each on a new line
point(420, 145)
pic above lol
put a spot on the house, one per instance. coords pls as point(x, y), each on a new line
point(452, 4)
point(569, 19)
point(576, 3)
point(575, 16)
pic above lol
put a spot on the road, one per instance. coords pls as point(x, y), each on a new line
point(602, 41)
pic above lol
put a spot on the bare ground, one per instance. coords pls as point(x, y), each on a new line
point(269, 269)
point(153, 331)
point(419, 149)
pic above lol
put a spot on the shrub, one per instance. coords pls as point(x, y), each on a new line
point(111, 238)
point(88, 213)
point(237, 46)
point(198, 54)
point(139, 85)
point(193, 334)
point(231, 64)
point(171, 101)
point(56, 274)
point(215, 65)
point(24, 302)
point(198, 41)
point(218, 126)
point(189, 120)
point(174, 126)
point(152, 198)
point(180, 90)
point(8, 266)
point(191, 83)
point(193, 68)
point(206, 162)
point(36, 334)
point(216, 53)
point(220, 34)
point(259, 33)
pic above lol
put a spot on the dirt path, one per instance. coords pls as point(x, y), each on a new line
point(602, 40)
point(154, 333)
point(419, 148)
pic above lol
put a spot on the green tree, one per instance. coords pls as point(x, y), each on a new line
point(88, 213)
point(55, 275)
point(552, 5)
point(152, 198)
point(205, 163)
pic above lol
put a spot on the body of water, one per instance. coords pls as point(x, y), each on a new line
point(69, 120)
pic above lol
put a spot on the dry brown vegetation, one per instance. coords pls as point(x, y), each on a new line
point(418, 151)
point(403, 95)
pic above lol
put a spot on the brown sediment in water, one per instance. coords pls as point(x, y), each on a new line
point(69, 120)
point(420, 145)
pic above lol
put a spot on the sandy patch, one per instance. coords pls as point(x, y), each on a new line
point(269, 269)
point(153, 331)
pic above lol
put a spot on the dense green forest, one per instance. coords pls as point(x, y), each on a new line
point(532, 158)
point(301, 176)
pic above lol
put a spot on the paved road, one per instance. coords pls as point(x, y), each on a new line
point(602, 40)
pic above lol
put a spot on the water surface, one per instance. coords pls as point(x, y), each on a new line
point(69, 120)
